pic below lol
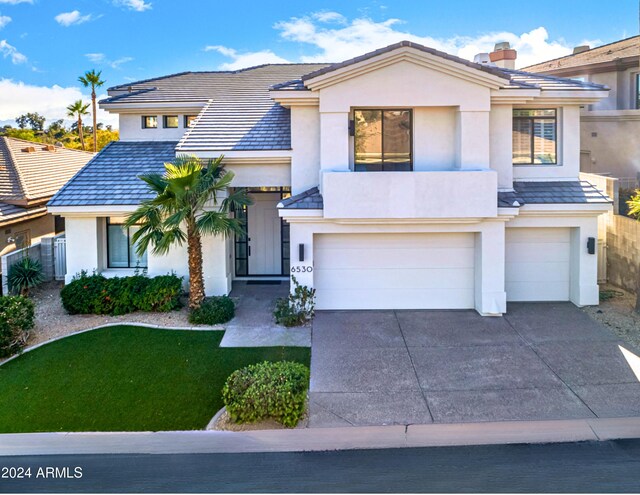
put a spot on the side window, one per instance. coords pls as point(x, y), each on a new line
point(189, 120)
point(535, 137)
point(170, 122)
point(150, 122)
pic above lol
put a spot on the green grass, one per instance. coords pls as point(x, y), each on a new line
point(124, 378)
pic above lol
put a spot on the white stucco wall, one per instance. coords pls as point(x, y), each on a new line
point(305, 144)
point(131, 127)
point(501, 144)
point(82, 245)
point(434, 138)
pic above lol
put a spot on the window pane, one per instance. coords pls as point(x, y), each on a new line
point(136, 261)
point(534, 113)
point(171, 121)
point(544, 141)
point(189, 120)
point(522, 129)
point(397, 138)
point(118, 247)
point(150, 122)
point(368, 139)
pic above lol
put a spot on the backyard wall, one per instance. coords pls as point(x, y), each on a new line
point(621, 235)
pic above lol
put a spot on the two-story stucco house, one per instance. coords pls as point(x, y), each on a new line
point(404, 178)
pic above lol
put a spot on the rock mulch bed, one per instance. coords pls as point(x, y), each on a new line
point(52, 320)
point(618, 315)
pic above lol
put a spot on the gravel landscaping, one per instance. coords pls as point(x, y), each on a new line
point(53, 321)
point(618, 315)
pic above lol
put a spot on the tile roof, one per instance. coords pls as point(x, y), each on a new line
point(556, 192)
point(527, 80)
point(310, 199)
point(111, 178)
point(629, 47)
point(12, 213)
point(243, 116)
point(37, 175)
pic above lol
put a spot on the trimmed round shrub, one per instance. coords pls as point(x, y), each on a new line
point(17, 316)
point(213, 311)
point(268, 390)
point(95, 294)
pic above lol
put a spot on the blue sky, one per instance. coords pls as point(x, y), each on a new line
point(46, 44)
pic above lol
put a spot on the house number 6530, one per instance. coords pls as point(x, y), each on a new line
point(301, 269)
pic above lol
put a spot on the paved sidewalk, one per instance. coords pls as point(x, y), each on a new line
point(542, 361)
point(319, 439)
point(254, 325)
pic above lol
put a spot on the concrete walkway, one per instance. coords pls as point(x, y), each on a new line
point(319, 439)
point(254, 325)
point(540, 362)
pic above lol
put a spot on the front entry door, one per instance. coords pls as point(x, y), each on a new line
point(265, 242)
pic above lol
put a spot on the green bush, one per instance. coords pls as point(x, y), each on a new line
point(213, 310)
point(17, 315)
point(24, 275)
point(297, 308)
point(276, 390)
point(95, 294)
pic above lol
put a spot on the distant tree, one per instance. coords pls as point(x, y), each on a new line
point(92, 79)
point(77, 110)
point(56, 130)
point(34, 120)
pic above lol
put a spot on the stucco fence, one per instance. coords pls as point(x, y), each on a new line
point(50, 252)
point(619, 237)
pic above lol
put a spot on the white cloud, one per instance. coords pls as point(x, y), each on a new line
point(137, 5)
point(67, 19)
point(246, 59)
point(4, 20)
point(17, 98)
point(10, 51)
point(15, 2)
point(101, 59)
point(334, 43)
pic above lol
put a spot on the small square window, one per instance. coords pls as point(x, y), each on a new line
point(189, 120)
point(150, 122)
point(171, 121)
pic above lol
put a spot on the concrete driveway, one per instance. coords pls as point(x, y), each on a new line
point(542, 361)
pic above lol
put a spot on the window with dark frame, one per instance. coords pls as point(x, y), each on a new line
point(150, 122)
point(170, 121)
point(383, 140)
point(638, 91)
point(189, 120)
point(121, 251)
point(535, 137)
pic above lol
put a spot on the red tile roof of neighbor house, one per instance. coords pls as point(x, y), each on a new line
point(31, 173)
point(629, 47)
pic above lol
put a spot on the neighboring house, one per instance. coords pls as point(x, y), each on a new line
point(611, 127)
point(404, 178)
point(30, 174)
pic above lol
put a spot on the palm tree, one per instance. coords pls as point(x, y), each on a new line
point(92, 78)
point(189, 195)
point(78, 109)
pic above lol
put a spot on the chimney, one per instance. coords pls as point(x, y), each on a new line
point(581, 48)
point(503, 55)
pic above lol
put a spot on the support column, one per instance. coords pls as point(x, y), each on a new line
point(334, 141)
point(584, 290)
point(300, 233)
point(490, 295)
point(83, 249)
point(214, 255)
point(472, 140)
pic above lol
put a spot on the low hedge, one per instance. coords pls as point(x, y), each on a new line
point(213, 310)
point(95, 294)
point(276, 390)
point(17, 318)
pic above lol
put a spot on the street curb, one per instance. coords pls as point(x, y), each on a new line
point(202, 328)
point(320, 439)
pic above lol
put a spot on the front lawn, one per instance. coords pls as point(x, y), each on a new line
point(124, 378)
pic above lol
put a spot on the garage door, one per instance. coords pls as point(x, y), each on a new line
point(537, 264)
point(394, 271)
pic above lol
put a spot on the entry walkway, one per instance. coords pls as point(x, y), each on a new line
point(545, 361)
point(254, 325)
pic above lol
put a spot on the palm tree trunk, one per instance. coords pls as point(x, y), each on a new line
point(196, 279)
point(95, 120)
point(80, 132)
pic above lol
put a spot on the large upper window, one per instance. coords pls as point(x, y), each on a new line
point(535, 137)
point(121, 251)
point(382, 140)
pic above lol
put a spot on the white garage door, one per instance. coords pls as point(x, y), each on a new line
point(394, 271)
point(537, 264)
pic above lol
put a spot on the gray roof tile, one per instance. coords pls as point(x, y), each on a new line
point(310, 199)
